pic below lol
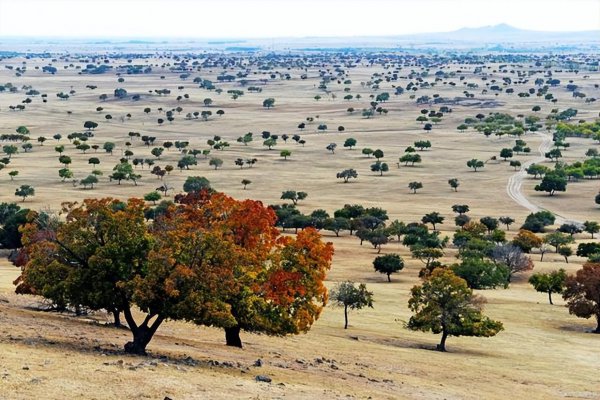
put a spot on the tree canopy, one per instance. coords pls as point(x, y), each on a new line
point(445, 304)
point(211, 260)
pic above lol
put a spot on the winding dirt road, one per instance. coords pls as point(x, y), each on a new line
point(515, 182)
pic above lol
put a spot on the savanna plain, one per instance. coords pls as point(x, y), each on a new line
point(543, 351)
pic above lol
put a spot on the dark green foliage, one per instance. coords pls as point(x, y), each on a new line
point(552, 182)
point(481, 273)
point(535, 222)
point(347, 295)
point(196, 184)
point(587, 249)
point(11, 218)
point(552, 282)
point(445, 304)
point(388, 264)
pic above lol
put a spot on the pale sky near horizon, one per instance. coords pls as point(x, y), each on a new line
point(284, 18)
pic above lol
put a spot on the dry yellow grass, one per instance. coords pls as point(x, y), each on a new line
point(543, 352)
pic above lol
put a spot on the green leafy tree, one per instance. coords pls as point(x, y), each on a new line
point(453, 182)
point(475, 164)
point(9, 150)
point(591, 227)
point(410, 158)
point(553, 154)
point(388, 264)
point(90, 180)
point(347, 295)
point(433, 218)
point(508, 221)
point(22, 130)
point(108, 147)
point(65, 173)
point(12, 217)
point(347, 174)
point(566, 252)
point(285, 154)
point(337, 224)
point(293, 196)
point(490, 223)
point(94, 161)
point(90, 125)
point(153, 196)
point(196, 184)
point(215, 162)
point(25, 191)
point(246, 182)
point(445, 304)
point(121, 172)
point(571, 229)
point(414, 186)
point(552, 282)
point(537, 170)
point(552, 182)
point(350, 143)
point(535, 222)
point(558, 239)
point(380, 167)
point(423, 144)
point(506, 153)
point(481, 273)
point(270, 142)
point(268, 103)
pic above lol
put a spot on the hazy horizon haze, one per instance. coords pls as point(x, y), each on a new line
point(236, 19)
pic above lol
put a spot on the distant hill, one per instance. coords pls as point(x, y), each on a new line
point(504, 33)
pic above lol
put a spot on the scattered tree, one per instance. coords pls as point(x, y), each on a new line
point(388, 264)
point(347, 295)
point(445, 304)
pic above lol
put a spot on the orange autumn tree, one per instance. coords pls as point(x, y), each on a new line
point(211, 260)
point(270, 283)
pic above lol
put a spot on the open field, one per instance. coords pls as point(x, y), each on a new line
point(543, 352)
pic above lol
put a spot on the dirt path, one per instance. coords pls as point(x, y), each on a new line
point(515, 182)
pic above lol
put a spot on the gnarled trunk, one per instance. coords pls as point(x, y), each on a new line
point(142, 334)
point(232, 337)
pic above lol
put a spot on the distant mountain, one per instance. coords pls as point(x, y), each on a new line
point(504, 33)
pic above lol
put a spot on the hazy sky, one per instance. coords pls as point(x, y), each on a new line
point(271, 18)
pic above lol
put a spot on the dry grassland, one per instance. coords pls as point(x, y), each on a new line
point(543, 353)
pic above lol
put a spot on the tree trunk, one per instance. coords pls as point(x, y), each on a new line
point(542, 257)
point(442, 345)
point(389, 279)
point(117, 318)
point(597, 330)
point(550, 297)
point(345, 317)
point(142, 334)
point(141, 338)
point(232, 337)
